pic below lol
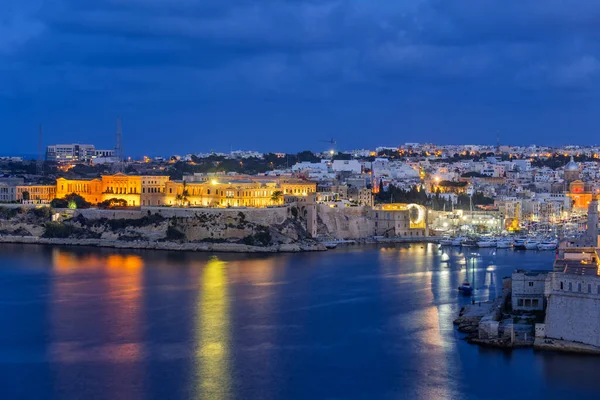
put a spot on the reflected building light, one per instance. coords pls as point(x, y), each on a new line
point(213, 334)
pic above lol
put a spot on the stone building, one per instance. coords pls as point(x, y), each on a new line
point(35, 193)
point(528, 290)
point(580, 194)
point(161, 191)
point(573, 295)
point(398, 219)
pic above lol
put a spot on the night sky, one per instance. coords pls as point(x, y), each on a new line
point(282, 75)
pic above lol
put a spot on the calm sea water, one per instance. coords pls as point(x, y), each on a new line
point(356, 323)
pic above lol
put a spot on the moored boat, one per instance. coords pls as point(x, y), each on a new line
point(548, 245)
point(457, 241)
point(446, 241)
point(486, 243)
point(532, 244)
point(519, 244)
point(504, 244)
point(469, 243)
point(466, 288)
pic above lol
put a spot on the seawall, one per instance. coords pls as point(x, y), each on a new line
point(171, 246)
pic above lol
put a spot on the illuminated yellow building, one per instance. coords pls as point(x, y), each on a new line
point(153, 190)
point(89, 189)
point(232, 193)
point(37, 193)
point(121, 186)
point(161, 191)
point(399, 219)
point(580, 194)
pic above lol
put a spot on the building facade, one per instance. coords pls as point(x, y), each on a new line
point(528, 290)
point(74, 152)
point(161, 191)
point(399, 220)
point(35, 193)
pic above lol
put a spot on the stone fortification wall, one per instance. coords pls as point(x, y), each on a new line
point(261, 216)
point(572, 312)
point(94, 213)
point(344, 223)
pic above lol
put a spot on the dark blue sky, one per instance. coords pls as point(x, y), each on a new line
point(200, 75)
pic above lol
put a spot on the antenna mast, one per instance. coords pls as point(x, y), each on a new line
point(119, 145)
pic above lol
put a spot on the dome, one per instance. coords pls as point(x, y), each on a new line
point(572, 166)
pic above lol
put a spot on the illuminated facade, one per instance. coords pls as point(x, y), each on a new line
point(580, 194)
point(399, 219)
point(232, 193)
point(37, 193)
point(161, 191)
point(89, 189)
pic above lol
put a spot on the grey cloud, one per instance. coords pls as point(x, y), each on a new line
point(310, 43)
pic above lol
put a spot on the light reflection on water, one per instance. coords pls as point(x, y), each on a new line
point(213, 333)
point(356, 323)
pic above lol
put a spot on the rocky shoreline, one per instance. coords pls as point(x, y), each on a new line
point(476, 319)
point(304, 246)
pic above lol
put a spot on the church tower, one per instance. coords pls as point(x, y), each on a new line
point(592, 224)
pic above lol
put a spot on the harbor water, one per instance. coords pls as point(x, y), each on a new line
point(363, 322)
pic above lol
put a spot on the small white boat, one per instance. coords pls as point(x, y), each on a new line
point(486, 243)
point(457, 241)
point(532, 244)
point(504, 244)
point(446, 241)
point(548, 245)
point(469, 243)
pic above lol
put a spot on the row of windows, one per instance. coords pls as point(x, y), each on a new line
point(579, 287)
point(121, 190)
point(153, 190)
point(528, 303)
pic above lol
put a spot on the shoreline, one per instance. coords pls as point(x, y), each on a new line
point(205, 247)
point(474, 321)
point(167, 246)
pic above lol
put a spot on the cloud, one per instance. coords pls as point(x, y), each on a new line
point(365, 53)
point(18, 24)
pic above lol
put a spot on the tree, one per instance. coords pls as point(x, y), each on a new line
point(26, 196)
point(59, 203)
point(73, 200)
point(277, 197)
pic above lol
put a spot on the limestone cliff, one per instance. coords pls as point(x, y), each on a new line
point(272, 229)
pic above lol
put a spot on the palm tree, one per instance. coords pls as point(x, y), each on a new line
point(277, 196)
point(182, 198)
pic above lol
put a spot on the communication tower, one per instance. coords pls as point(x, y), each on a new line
point(119, 145)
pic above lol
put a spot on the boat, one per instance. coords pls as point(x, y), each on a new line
point(469, 243)
point(504, 244)
point(446, 241)
point(330, 245)
point(519, 244)
point(532, 244)
point(466, 288)
point(457, 241)
point(548, 245)
point(486, 243)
